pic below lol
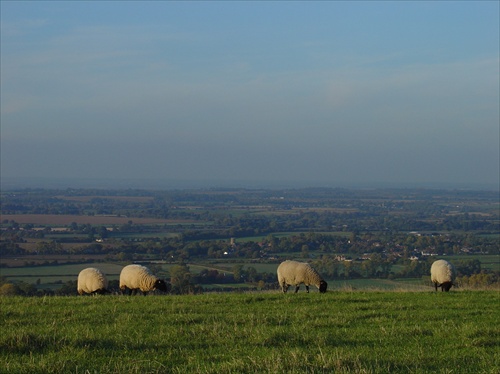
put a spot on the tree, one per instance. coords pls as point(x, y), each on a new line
point(304, 251)
point(369, 268)
point(69, 288)
point(180, 278)
point(468, 267)
point(347, 268)
point(103, 232)
point(237, 272)
point(8, 289)
point(251, 274)
point(26, 289)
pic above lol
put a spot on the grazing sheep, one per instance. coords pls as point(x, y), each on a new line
point(443, 274)
point(293, 273)
point(138, 277)
point(92, 281)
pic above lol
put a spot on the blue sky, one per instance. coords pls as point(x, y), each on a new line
point(248, 93)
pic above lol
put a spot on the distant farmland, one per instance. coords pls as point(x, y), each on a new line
point(67, 219)
point(138, 199)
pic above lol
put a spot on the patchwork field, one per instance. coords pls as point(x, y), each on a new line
point(67, 219)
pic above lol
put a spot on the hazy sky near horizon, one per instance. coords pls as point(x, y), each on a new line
point(321, 93)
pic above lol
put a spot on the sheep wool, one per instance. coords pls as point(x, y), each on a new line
point(92, 281)
point(138, 277)
point(293, 273)
point(443, 274)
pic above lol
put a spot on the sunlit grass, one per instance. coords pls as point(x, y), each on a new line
point(342, 332)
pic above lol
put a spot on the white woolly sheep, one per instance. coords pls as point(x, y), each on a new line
point(138, 277)
point(293, 273)
point(443, 274)
point(92, 281)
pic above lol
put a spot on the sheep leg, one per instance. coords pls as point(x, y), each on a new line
point(307, 289)
point(297, 288)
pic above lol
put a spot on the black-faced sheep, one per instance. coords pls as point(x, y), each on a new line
point(138, 277)
point(443, 274)
point(293, 273)
point(92, 281)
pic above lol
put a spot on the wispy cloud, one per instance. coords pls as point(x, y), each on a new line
point(21, 27)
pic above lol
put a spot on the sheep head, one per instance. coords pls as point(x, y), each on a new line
point(323, 286)
point(161, 285)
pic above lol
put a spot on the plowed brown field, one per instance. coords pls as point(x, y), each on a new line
point(66, 219)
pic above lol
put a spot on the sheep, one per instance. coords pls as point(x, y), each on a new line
point(295, 273)
point(92, 281)
point(138, 277)
point(443, 274)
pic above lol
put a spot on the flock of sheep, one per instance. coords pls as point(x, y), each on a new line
point(135, 278)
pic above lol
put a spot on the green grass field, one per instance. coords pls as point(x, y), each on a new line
point(336, 332)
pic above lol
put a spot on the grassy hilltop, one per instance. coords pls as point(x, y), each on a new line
point(341, 332)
